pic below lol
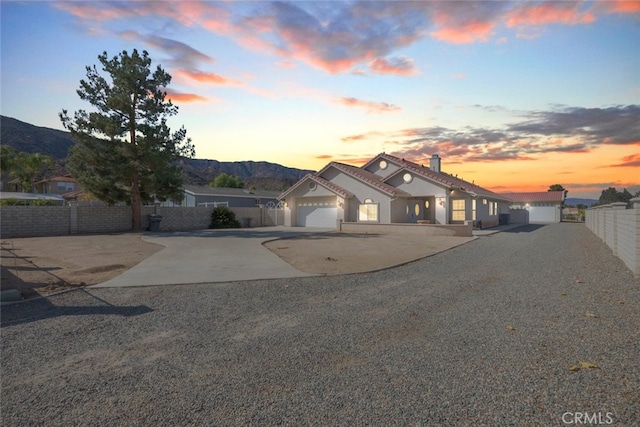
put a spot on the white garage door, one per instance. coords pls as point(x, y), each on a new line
point(543, 214)
point(317, 212)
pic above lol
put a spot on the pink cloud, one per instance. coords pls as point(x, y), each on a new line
point(532, 14)
point(397, 66)
point(608, 6)
point(470, 32)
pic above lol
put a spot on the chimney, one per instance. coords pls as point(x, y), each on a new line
point(434, 163)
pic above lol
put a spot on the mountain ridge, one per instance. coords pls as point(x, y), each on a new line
point(30, 138)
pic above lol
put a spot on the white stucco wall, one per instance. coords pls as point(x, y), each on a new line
point(375, 168)
point(362, 192)
point(619, 228)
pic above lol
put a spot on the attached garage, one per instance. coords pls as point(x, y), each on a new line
point(316, 212)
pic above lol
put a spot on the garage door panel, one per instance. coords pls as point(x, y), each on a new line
point(317, 212)
point(542, 214)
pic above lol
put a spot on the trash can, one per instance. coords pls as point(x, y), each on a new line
point(154, 222)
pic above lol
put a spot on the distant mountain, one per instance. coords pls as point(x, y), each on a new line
point(261, 175)
point(576, 201)
point(33, 139)
point(28, 138)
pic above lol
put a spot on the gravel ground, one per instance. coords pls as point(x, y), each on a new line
point(483, 334)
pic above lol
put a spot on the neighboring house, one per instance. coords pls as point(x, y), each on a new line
point(30, 198)
point(59, 189)
point(57, 185)
point(542, 207)
point(199, 195)
point(389, 190)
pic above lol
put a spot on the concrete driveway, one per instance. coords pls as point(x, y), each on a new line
point(212, 256)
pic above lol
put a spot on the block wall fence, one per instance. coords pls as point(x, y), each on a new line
point(619, 228)
point(36, 221)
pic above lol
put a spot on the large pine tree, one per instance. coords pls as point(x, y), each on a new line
point(124, 151)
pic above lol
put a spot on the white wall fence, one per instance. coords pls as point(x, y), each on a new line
point(619, 228)
point(35, 221)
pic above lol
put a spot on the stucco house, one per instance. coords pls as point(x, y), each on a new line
point(388, 190)
point(542, 207)
point(62, 189)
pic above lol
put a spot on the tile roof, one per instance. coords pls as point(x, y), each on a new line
point(439, 177)
point(367, 177)
point(65, 178)
point(323, 182)
point(540, 196)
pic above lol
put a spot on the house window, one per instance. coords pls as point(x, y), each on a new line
point(426, 204)
point(383, 164)
point(473, 209)
point(458, 210)
point(407, 177)
point(368, 212)
point(493, 208)
point(65, 186)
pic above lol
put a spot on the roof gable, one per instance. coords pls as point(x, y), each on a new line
point(440, 178)
point(321, 181)
point(366, 177)
point(384, 156)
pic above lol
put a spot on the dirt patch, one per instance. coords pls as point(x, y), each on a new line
point(342, 253)
point(43, 265)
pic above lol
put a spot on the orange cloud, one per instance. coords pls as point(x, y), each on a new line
point(360, 137)
point(185, 97)
point(352, 138)
point(372, 107)
point(548, 13)
point(209, 78)
point(631, 161)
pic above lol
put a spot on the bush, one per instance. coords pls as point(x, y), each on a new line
point(35, 202)
point(222, 217)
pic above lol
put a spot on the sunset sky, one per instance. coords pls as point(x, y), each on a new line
point(513, 95)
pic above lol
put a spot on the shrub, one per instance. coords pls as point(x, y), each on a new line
point(36, 202)
point(222, 217)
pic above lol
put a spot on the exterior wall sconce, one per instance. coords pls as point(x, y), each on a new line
point(440, 200)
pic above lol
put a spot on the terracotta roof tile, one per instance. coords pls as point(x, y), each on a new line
point(369, 178)
point(329, 185)
point(441, 177)
point(540, 196)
